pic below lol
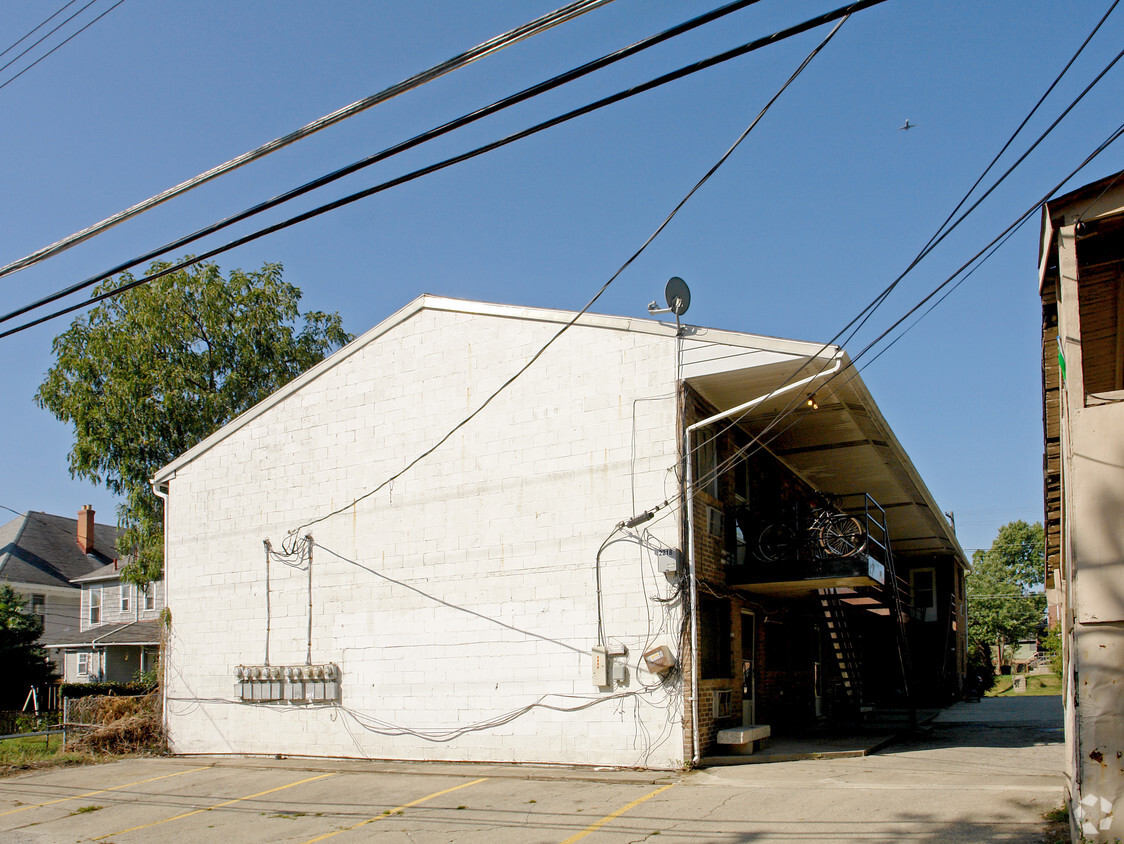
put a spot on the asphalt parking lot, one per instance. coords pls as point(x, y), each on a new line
point(958, 780)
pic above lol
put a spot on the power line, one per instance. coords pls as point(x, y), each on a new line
point(61, 44)
point(39, 26)
point(493, 45)
point(940, 233)
point(448, 162)
point(417, 140)
point(863, 315)
point(45, 37)
point(296, 532)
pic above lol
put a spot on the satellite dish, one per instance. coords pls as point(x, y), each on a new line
point(678, 295)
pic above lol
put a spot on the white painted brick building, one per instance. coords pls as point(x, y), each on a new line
point(459, 602)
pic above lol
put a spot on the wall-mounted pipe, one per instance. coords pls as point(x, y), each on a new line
point(689, 498)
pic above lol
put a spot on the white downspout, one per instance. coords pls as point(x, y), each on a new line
point(837, 361)
point(161, 491)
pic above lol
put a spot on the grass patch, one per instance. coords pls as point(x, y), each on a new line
point(1036, 684)
point(85, 810)
point(18, 755)
point(17, 751)
point(1057, 826)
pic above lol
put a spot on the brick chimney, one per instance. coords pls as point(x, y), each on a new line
point(86, 528)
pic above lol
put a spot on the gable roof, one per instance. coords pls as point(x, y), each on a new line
point(851, 441)
point(514, 312)
point(40, 549)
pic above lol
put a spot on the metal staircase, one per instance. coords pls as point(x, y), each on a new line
point(892, 601)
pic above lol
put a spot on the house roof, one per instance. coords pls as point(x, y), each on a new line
point(129, 633)
point(850, 448)
point(40, 549)
point(440, 303)
point(843, 447)
point(110, 571)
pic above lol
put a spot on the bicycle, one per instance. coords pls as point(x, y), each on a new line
point(830, 534)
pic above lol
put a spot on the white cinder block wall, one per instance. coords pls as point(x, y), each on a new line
point(459, 602)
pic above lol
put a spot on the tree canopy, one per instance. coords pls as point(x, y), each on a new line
point(1003, 603)
point(21, 663)
point(147, 374)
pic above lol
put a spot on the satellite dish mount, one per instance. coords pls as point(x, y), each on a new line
point(678, 297)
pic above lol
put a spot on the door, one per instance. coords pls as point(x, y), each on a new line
point(749, 644)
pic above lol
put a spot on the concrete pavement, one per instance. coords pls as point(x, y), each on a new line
point(956, 780)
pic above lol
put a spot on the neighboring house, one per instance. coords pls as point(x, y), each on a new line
point(119, 632)
point(1081, 282)
point(40, 556)
point(533, 589)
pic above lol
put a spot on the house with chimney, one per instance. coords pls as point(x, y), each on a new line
point(660, 543)
point(41, 557)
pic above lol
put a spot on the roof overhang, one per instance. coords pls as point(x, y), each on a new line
point(845, 447)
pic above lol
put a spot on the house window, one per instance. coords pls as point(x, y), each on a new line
point(923, 593)
point(39, 606)
point(126, 596)
point(83, 664)
point(95, 605)
point(706, 463)
point(149, 590)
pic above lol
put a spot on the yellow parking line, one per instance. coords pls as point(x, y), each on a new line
point(102, 791)
point(396, 809)
point(216, 806)
point(616, 814)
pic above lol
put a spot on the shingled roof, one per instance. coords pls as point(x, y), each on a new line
point(42, 550)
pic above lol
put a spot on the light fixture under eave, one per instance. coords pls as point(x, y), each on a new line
point(810, 402)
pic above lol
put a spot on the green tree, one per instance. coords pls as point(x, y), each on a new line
point(147, 374)
point(1003, 604)
point(22, 664)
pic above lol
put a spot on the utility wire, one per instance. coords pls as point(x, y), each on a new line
point(61, 44)
point(493, 45)
point(45, 37)
point(1112, 138)
point(384, 154)
point(942, 232)
point(542, 350)
point(36, 28)
point(355, 197)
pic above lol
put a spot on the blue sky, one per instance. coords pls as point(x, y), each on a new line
point(823, 205)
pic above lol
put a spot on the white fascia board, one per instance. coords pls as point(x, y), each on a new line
point(441, 303)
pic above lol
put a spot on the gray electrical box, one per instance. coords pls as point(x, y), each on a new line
point(668, 560)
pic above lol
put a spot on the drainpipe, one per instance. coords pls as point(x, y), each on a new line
point(837, 361)
point(161, 489)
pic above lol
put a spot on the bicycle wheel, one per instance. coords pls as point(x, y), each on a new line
point(776, 542)
point(842, 536)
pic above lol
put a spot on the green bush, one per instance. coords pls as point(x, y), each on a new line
point(77, 690)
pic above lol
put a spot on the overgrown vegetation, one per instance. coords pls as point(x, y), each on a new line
point(119, 725)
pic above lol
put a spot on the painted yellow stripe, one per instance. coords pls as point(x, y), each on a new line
point(594, 827)
point(102, 791)
point(395, 810)
point(216, 806)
